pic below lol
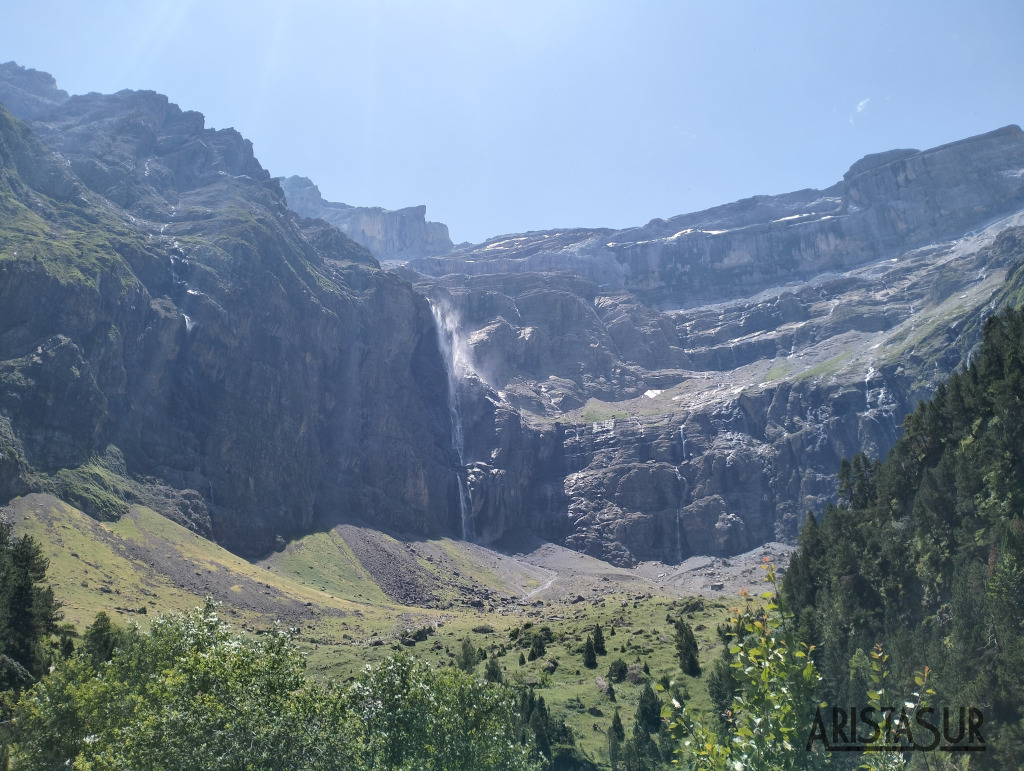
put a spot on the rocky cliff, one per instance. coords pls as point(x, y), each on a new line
point(173, 334)
point(886, 204)
point(170, 332)
point(401, 234)
point(695, 383)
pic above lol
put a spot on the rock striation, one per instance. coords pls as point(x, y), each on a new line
point(707, 415)
point(400, 234)
point(159, 303)
point(181, 330)
point(886, 204)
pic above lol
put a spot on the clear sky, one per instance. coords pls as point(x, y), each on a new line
point(505, 116)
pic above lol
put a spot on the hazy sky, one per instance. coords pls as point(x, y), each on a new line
point(511, 116)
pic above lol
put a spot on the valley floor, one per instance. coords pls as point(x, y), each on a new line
point(355, 595)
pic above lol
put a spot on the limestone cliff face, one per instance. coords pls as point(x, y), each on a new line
point(29, 93)
point(390, 235)
point(672, 425)
point(886, 204)
point(158, 300)
point(172, 332)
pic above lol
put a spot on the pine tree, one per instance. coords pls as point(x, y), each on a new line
point(686, 648)
point(599, 648)
point(617, 671)
point(492, 671)
point(616, 736)
point(589, 656)
point(28, 612)
point(100, 639)
point(648, 710)
point(468, 658)
point(537, 647)
point(538, 724)
point(641, 753)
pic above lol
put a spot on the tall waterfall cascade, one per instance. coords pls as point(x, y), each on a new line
point(684, 494)
point(456, 364)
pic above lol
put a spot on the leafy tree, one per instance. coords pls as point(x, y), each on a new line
point(189, 694)
point(686, 649)
point(771, 714)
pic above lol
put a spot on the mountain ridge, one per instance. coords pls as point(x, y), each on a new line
point(202, 348)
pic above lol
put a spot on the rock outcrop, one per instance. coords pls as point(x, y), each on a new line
point(833, 313)
point(173, 333)
point(886, 204)
point(159, 301)
point(399, 234)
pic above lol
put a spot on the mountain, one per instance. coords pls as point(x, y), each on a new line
point(171, 333)
point(691, 386)
point(175, 332)
point(389, 235)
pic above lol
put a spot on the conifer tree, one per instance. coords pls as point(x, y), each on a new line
point(537, 647)
point(686, 649)
point(492, 671)
point(616, 736)
point(589, 656)
point(28, 612)
point(468, 658)
point(648, 710)
point(599, 647)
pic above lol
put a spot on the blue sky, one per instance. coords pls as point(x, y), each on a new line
point(510, 116)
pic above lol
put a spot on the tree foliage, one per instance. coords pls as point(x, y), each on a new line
point(925, 552)
point(28, 612)
point(686, 649)
point(190, 694)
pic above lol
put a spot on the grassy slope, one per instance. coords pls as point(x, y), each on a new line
point(145, 560)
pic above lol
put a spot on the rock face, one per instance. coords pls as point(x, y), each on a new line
point(707, 415)
point(886, 204)
point(391, 235)
point(172, 333)
point(29, 93)
point(160, 303)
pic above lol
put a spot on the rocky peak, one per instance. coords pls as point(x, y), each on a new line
point(258, 368)
point(887, 203)
point(27, 93)
point(399, 234)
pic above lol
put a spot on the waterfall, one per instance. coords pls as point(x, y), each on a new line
point(682, 440)
point(455, 365)
point(684, 493)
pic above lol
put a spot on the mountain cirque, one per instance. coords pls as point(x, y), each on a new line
point(172, 334)
point(702, 377)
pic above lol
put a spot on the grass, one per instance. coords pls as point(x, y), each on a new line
point(826, 368)
point(779, 371)
point(146, 560)
point(596, 411)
